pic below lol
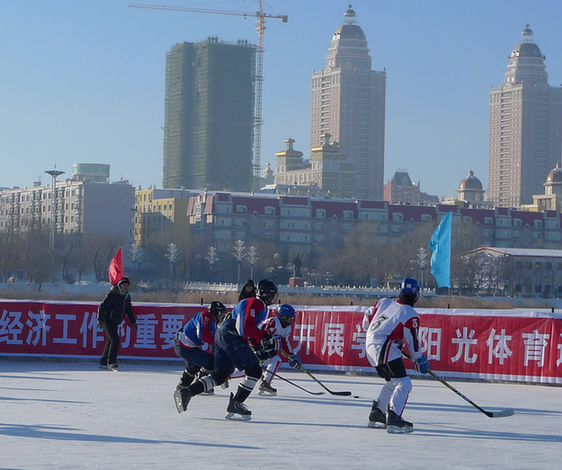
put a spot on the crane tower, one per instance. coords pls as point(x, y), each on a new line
point(260, 28)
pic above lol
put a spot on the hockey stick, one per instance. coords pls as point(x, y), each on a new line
point(294, 384)
point(331, 392)
point(490, 414)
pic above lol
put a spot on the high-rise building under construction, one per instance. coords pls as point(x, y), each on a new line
point(209, 115)
point(348, 102)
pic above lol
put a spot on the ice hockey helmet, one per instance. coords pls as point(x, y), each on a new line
point(286, 314)
point(217, 309)
point(267, 291)
point(411, 287)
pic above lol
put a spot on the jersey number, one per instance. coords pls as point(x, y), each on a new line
point(379, 322)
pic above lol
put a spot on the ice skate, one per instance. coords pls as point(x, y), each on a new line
point(113, 367)
point(209, 393)
point(395, 424)
point(181, 398)
point(267, 390)
point(237, 410)
point(226, 384)
point(377, 419)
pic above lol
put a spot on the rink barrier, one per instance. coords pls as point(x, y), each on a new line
point(503, 345)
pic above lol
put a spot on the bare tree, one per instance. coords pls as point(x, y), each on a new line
point(36, 254)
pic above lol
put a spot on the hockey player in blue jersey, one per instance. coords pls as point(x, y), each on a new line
point(195, 340)
point(394, 324)
point(240, 344)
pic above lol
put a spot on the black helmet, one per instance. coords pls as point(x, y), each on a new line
point(267, 291)
point(217, 309)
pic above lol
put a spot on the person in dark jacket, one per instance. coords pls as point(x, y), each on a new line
point(248, 290)
point(111, 313)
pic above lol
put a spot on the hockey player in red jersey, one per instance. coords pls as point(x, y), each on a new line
point(194, 342)
point(279, 324)
point(394, 324)
point(240, 344)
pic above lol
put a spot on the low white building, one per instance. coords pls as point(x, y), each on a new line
point(82, 207)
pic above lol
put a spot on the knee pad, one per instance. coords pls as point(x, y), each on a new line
point(219, 377)
point(254, 372)
point(403, 382)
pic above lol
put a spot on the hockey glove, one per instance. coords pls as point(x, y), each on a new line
point(268, 348)
point(263, 355)
point(422, 364)
point(295, 361)
point(272, 344)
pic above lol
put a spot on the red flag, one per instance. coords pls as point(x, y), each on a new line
point(116, 268)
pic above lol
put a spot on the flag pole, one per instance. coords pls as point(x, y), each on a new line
point(449, 300)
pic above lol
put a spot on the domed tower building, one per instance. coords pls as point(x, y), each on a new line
point(525, 122)
point(470, 189)
point(348, 102)
point(552, 197)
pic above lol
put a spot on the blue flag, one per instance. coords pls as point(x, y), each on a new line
point(440, 244)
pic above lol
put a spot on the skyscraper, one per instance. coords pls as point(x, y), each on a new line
point(525, 126)
point(209, 115)
point(348, 102)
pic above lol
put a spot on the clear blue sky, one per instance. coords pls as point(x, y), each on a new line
point(83, 80)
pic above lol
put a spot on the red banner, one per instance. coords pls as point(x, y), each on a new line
point(491, 344)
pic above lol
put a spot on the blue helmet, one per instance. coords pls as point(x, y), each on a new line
point(286, 313)
point(410, 286)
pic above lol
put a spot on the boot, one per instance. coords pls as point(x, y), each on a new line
point(267, 389)
point(182, 397)
point(237, 410)
point(395, 424)
point(377, 419)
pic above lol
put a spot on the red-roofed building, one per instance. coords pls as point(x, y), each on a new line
point(317, 225)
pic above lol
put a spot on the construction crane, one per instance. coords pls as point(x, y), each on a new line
point(260, 28)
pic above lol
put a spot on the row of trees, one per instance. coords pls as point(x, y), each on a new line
point(366, 257)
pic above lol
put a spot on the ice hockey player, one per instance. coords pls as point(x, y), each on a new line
point(280, 324)
point(394, 324)
point(241, 344)
point(194, 343)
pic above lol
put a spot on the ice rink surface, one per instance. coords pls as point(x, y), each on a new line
point(72, 415)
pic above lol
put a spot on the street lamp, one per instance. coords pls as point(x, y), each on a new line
point(173, 256)
point(252, 258)
point(239, 255)
point(54, 174)
point(421, 261)
point(211, 258)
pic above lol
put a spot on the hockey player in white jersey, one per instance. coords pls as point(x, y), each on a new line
point(394, 324)
point(279, 324)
